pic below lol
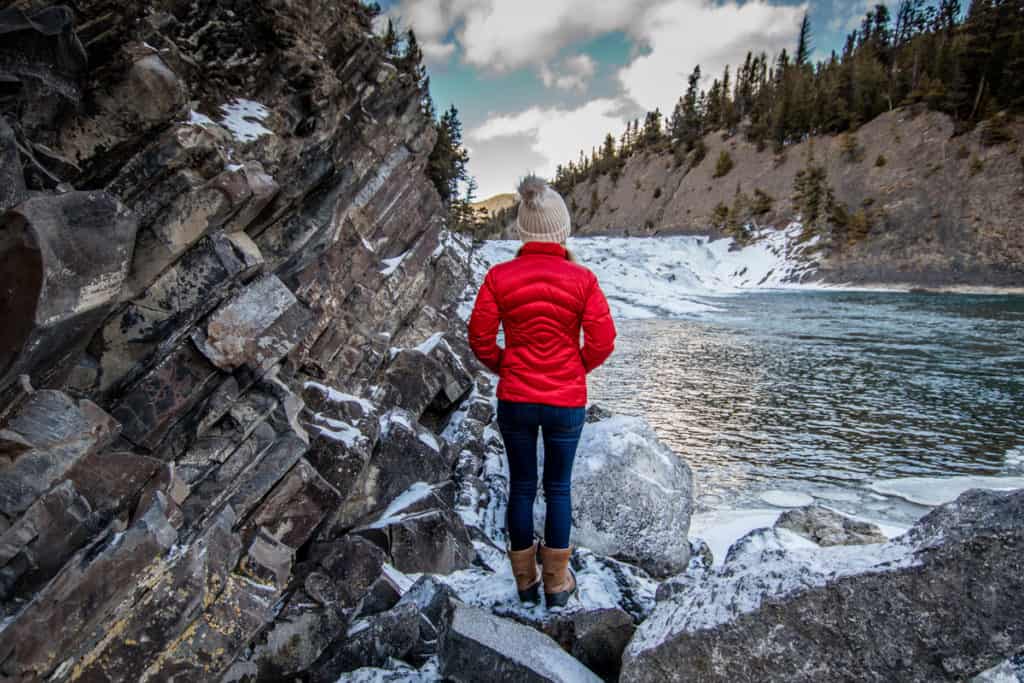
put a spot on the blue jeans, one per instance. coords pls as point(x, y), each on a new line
point(560, 428)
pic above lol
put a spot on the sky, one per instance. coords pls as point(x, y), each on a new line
point(536, 81)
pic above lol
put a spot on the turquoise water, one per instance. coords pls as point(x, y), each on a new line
point(825, 390)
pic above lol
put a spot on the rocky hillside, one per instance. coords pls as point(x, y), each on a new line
point(941, 209)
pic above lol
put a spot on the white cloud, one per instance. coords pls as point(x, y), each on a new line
point(684, 33)
point(576, 72)
point(501, 35)
point(672, 36)
point(434, 51)
point(555, 136)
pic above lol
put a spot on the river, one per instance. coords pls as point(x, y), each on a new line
point(879, 404)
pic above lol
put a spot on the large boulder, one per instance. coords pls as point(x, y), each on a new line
point(942, 602)
point(480, 646)
point(632, 497)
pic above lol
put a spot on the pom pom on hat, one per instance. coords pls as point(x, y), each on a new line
point(543, 215)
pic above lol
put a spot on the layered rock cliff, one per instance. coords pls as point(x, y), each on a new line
point(940, 209)
point(211, 214)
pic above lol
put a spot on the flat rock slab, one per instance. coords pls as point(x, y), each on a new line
point(480, 646)
point(256, 328)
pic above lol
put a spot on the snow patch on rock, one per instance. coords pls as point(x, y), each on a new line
point(243, 118)
point(767, 563)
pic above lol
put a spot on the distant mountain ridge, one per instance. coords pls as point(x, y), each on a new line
point(493, 205)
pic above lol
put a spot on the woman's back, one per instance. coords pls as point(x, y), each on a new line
point(543, 301)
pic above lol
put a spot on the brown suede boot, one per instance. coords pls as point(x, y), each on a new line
point(524, 569)
point(559, 581)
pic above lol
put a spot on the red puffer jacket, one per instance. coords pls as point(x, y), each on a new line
point(542, 300)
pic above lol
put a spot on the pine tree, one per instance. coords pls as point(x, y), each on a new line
point(804, 47)
point(390, 38)
point(968, 66)
point(448, 161)
point(652, 134)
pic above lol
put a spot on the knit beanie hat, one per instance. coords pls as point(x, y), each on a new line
point(543, 216)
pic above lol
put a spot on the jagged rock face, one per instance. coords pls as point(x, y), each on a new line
point(63, 260)
point(209, 214)
point(940, 603)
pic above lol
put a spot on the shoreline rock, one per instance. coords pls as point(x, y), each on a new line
point(939, 603)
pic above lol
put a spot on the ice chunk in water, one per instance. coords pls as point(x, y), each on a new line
point(932, 491)
point(786, 499)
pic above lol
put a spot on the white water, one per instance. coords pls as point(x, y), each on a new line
point(664, 277)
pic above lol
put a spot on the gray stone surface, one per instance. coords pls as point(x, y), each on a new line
point(62, 431)
point(421, 532)
point(939, 603)
point(63, 261)
point(480, 646)
point(370, 642)
point(826, 527)
point(406, 453)
point(256, 328)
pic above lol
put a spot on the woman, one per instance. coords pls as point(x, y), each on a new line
point(542, 298)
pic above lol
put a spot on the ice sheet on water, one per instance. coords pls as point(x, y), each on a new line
point(721, 528)
point(786, 499)
point(666, 276)
point(932, 491)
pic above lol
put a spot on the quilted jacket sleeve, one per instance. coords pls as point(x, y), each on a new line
point(483, 327)
point(598, 329)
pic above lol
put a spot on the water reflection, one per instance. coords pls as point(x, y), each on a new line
point(828, 388)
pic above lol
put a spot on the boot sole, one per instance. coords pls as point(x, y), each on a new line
point(531, 594)
point(561, 599)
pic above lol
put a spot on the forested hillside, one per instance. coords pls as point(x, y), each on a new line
point(898, 154)
point(968, 65)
